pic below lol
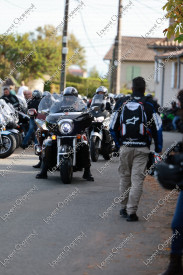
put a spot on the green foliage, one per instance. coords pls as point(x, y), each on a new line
point(85, 86)
point(174, 10)
point(125, 91)
point(45, 58)
point(93, 72)
point(73, 78)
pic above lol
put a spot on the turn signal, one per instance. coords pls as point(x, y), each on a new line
point(54, 137)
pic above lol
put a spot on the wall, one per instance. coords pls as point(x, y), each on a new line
point(169, 93)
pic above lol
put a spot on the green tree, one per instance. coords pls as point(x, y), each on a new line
point(93, 72)
point(174, 10)
point(32, 55)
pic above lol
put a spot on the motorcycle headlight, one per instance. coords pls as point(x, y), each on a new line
point(99, 119)
point(66, 126)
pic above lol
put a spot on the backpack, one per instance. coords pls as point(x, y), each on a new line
point(132, 122)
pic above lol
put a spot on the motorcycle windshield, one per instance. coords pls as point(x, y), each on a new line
point(68, 104)
point(46, 103)
point(22, 103)
point(98, 100)
point(7, 111)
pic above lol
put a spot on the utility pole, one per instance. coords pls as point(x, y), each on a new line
point(112, 68)
point(117, 53)
point(64, 48)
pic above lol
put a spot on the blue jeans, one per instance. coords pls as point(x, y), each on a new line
point(174, 122)
point(31, 131)
point(177, 225)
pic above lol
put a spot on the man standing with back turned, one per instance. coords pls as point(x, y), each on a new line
point(134, 122)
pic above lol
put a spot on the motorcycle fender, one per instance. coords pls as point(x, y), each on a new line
point(6, 133)
point(14, 131)
point(65, 151)
point(96, 134)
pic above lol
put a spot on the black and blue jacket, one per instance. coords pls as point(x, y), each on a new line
point(153, 125)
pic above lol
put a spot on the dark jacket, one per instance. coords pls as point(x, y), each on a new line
point(33, 103)
point(153, 125)
point(11, 99)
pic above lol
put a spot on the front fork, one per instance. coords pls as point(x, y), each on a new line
point(99, 135)
point(65, 151)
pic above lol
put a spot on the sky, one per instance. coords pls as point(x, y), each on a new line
point(89, 20)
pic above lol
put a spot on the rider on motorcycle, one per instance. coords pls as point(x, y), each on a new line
point(102, 90)
point(10, 98)
point(70, 95)
point(32, 104)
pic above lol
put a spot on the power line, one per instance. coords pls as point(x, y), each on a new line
point(152, 9)
point(7, 1)
point(92, 46)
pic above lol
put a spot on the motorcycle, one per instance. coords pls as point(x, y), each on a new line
point(66, 123)
point(167, 117)
point(101, 141)
point(8, 133)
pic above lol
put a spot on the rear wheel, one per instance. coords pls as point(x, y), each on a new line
point(66, 170)
point(8, 145)
point(94, 149)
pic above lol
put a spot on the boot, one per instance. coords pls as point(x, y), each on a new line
point(43, 174)
point(87, 175)
point(123, 213)
point(37, 165)
point(175, 265)
point(132, 218)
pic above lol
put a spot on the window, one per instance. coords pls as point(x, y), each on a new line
point(132, 72)
point(174, 81)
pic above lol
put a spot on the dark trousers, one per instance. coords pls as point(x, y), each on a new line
point(177, 225)
point(31, 131)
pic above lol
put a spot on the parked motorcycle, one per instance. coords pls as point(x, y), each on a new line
point(8, 133)
point(66, 123)
point(167, 117)
point(101, 141)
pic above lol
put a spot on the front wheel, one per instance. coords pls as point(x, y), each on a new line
point(66, 170)
point(107, 151)
point(8, 145)
point(94, 149)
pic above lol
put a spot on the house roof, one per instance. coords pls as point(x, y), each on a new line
point(165, 44)
point(171, 54)
point(135, 49)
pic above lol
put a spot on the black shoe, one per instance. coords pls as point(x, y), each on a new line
point(132, 218)
point(175, 266)
point(24, 146)
point(87, 175)
point(41, 176)
point(123, 213)
point(37, 165)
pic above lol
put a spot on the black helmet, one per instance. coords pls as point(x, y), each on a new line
point(36, 94)
point(102, 89)
point(70, 91)
point(170, 173)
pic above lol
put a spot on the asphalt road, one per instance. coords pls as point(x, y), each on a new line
point(47, 227)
